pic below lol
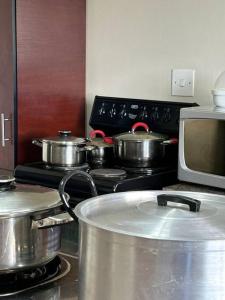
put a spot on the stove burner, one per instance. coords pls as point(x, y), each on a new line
point(83, 167)
point(145, 171)
point(108, 174)
point(17, 282)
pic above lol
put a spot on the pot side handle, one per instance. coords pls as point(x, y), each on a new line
point(193, 204)
point(94, 132)
point(57, 220)
point(64, 196)
point(172, 141)
point(37, 142)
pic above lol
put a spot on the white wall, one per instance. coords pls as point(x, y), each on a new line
point(132, 45)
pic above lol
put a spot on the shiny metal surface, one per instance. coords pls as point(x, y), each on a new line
point(65, 288)
point(56, 220)
point(65, 267)
point(101, 154)
point(64, 150)
point(108, 174)
point(27, 199)
point(28, 236)
point(3, 119)
point(167, 253)
point(64, 138)
point(139, 154)
point(140, 148)
point(139, 136)
point(22, 247)
point(63, 155)
point(83, 167)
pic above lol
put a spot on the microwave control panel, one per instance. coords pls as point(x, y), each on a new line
point(117, 115)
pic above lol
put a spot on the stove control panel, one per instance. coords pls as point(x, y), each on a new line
point(116, 115)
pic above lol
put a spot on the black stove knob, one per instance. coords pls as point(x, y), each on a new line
point(166, 115)
point(113, 111)
point(123, 112)
point(155, 114)
point(102, 109)
point(144, 114)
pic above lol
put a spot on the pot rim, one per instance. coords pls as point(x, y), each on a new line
point(94, 202)
point(79, 142)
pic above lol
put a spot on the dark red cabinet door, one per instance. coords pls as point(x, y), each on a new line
point(50, 71)
point(6, 85)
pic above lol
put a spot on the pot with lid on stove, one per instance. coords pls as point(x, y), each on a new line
point(28, 218)
point(102, 152)
point(141, 148)
point(158, 244)
point(64, 150)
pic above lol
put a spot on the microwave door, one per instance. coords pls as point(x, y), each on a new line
point(202, 151)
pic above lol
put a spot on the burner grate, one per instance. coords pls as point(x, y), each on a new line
point(16, 282)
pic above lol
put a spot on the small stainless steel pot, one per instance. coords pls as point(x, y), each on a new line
point(29, 215)
point(102, 153)
point(64, 150)
point(152, 245)
point(141, 148)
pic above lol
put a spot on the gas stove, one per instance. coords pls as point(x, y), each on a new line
point(114, 116)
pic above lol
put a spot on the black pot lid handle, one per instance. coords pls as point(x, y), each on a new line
point(193, 204)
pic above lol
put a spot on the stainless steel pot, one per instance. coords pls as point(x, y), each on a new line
point(141, 148)
point(28, 218)
point(102, 152)
point(145, 245)
point(64, 150)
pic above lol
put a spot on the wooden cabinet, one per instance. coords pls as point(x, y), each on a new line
point(45, 68)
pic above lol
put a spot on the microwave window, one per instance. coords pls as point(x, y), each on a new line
point(204, 145)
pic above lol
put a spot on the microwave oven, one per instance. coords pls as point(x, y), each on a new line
point(202, 146)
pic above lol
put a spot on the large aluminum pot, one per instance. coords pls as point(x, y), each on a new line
point(28, 218)
point(145, 245)
point(102, 153)
point(64, 150)
point(141, 148)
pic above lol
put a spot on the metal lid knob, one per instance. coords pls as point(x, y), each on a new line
point(64, 133)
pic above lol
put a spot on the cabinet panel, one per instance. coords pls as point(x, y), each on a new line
point(50, 71)
point(6, 84)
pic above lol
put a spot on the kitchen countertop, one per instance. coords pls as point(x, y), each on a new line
point(191, 187)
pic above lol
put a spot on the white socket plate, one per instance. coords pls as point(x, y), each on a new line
point(182, 82)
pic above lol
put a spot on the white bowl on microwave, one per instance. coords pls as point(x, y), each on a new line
point(219, 97)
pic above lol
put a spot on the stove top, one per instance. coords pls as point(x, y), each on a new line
point(78, 187)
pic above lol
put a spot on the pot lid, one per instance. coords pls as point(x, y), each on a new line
point(64, 138)
point(99, 142)
point(139, 214)
point(139, 136)
point(27, 199)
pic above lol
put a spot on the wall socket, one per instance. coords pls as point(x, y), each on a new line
point(182, 82)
